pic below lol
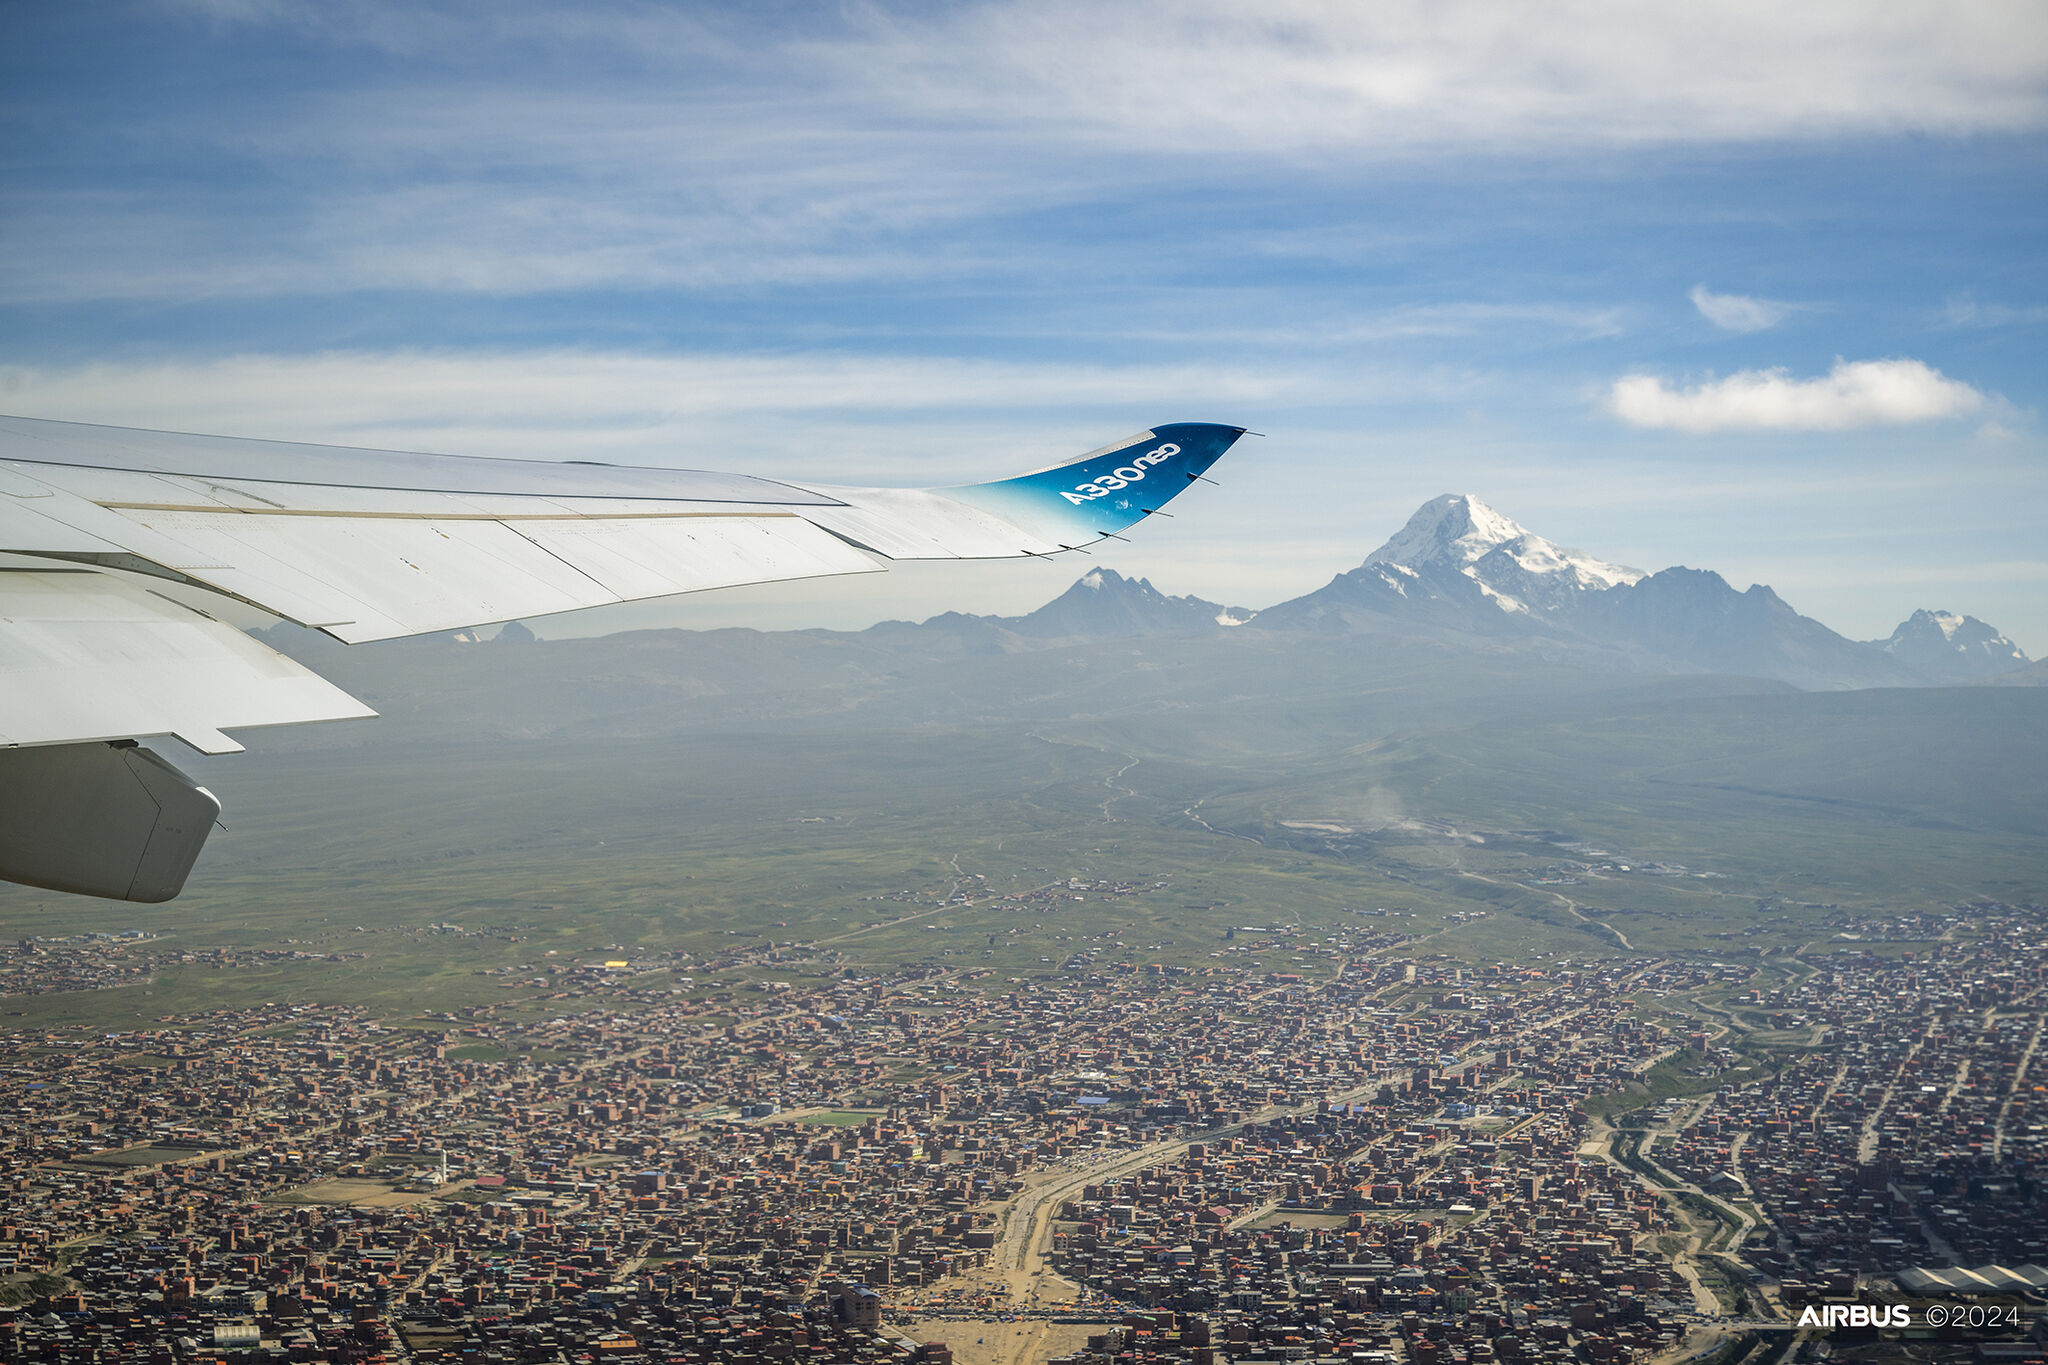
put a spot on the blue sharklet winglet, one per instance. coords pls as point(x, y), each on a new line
point(1106, 490)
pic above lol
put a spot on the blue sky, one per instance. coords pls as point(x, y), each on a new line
point(1737, 288)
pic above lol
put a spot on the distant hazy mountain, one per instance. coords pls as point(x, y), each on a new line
point(1946, 647)
point(1693, 617)
point(1102, 604)
point(2034, 674)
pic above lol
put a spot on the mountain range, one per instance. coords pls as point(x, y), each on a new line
point(1461, 571)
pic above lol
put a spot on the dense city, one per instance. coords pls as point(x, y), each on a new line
point(1383, 1156)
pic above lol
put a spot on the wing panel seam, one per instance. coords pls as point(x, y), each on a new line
point(212, 508)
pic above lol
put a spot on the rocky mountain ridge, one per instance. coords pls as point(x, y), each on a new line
point(1949, 644)
point(1462, 574)
point(1460, 569)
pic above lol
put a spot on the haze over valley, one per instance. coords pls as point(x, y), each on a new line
point(1450, 718)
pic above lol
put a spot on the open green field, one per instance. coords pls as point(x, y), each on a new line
point(1139, 801)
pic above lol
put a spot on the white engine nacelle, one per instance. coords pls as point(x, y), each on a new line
point(108, 820)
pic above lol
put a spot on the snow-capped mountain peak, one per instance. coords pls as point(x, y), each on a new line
point(1454, 529)
point(1515, 569)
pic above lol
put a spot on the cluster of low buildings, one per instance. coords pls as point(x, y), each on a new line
point(1380, 1158)
point(1914, 1128)
point(103, 961)
point(1390, 1232)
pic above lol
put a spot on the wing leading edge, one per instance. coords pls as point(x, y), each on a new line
point(97, 522)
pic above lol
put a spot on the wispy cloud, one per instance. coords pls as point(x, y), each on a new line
point(519, 147)
point(1323, 328)
point(1738, 312)
point(1861, 393)
point(1964, 311)
point(1318, 75)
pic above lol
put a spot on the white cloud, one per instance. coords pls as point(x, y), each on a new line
point(1860, 393)
point(1738, 312)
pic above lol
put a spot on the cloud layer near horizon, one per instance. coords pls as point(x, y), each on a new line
point(1860, 393)
point(902, 418)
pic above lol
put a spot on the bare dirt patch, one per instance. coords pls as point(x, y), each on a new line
point(362, 1194)
point(1003, 1343)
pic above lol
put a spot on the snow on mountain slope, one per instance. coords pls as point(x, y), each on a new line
point(1456, 528)
point(1950, 647)
point(1515, 569)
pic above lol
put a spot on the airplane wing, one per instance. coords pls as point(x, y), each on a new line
point(113, 540)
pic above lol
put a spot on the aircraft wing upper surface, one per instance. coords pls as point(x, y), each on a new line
point(367, 545)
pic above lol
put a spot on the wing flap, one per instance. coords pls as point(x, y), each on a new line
point(40, 516)
point(87, 656)
point(653, 557)
point(365, 578)
point(910, 523)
